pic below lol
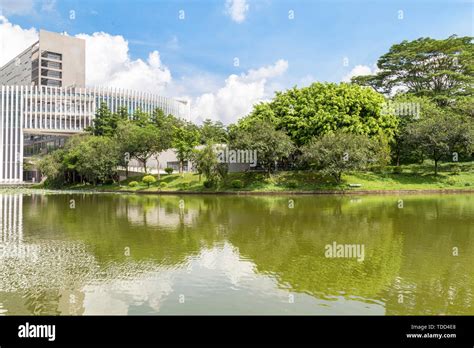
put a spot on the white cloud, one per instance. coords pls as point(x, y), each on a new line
point(14, 39)
point(108, 63)
point(238, 95)
point(360, 70)
point(237, 9)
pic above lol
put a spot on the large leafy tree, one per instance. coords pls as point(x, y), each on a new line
point(271, 145)
point(440, 69)
point(410, 108)
point(205, 161)
point(322, 108)
point(139, 138)
point(165, 125)
point(105, 122)
point(213, 132)
point(145, 141)
point(338, 152)
point(96, 158)
point(52, 168)
point(185, 138)
point(439, 133)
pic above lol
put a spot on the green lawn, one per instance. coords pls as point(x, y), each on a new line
point(413, 177)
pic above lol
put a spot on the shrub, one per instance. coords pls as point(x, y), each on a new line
point(133, 183)
point(292, 184)
point(169, 170)
point(397, 170)
point(451, 181)
point(237, 184)
point(163, 184)
point(148, 179)
point(208, 184)
point(184, 185)
point(467, 184)
point(455, 169)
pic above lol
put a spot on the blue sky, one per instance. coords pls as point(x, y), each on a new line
point(314, 43)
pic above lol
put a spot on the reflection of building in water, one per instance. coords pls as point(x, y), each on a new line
point(11, 229)
point(33, 273)
point(159, 216)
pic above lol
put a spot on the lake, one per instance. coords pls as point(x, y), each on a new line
point(83, 254)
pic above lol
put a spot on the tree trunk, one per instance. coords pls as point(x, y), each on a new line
point(181, 168)
point(158, 167)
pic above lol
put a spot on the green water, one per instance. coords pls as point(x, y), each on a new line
point(80, 254)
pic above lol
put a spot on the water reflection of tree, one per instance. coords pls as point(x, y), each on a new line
point(432, 280)
point(288, 244)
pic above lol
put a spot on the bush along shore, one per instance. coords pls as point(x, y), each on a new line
point(409, 178)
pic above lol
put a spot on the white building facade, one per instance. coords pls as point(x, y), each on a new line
point(59, 111)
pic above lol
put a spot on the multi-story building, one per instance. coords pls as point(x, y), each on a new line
point(54, 60)
point(43, 99)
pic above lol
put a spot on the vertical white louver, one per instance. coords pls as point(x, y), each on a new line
point(52, 110)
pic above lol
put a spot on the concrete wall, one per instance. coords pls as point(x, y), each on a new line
point(73, 52)
point(18, 70)
point(166, 158)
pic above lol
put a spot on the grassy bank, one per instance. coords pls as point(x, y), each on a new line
point(412, 177)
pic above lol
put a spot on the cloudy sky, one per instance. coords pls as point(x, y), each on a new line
point(226, 55)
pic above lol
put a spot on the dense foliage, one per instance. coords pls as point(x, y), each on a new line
point(418, 106)
point(322, 108)
point(332, 154)
point(442, 70)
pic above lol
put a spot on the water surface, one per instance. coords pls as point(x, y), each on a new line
point(80, 254)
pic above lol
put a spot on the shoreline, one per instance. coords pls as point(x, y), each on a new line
point(270, 193)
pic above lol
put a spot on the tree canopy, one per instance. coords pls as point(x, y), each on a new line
point(271, 145)
point(323, 108)
point(442, 70)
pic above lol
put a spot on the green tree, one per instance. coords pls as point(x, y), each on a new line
point(338, 152)
point(104, 123)
point(143, 142)
point(122, 114)
point(185, 139)
point(97, 158)
point(51, 166)
point(213, 132)
point(439, 133)
point(442, 70)
point(407, 108)
point(322, 108)
point(125, 139)
point(165, 125)
point(141, 118)
point(271, 145)
point(205, 162)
